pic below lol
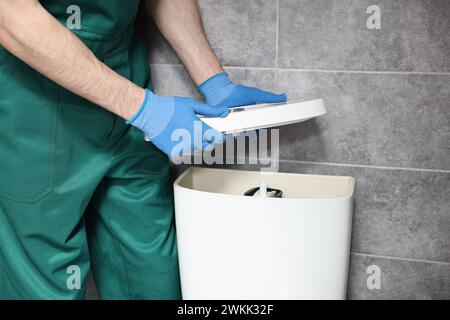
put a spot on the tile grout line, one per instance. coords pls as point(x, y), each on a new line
point(368, 71)
point(347, 165)
point(400, 258)
point(319, 70)
point(366, 166)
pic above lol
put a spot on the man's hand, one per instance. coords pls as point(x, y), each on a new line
point(219, 91)
point(159, 117)
point(180, 23)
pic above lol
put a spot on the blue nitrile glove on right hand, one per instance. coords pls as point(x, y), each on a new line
point(220, 91)
point(160, 116)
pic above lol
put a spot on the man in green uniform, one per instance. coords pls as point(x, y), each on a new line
point(80, 188)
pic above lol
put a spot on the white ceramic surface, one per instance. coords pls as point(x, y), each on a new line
point(237, 247)
point(267, 116)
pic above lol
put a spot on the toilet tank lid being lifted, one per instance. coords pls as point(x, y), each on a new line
point(270, 115)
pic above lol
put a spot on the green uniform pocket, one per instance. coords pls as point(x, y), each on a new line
point(28, 112)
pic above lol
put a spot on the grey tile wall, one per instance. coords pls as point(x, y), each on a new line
point(400, 279)
point(174, 80)
point(242, 33)
point(401, 213)
point(327, 34)
point(388, 124)
point(376, 119)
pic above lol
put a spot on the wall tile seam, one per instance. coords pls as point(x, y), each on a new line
point(246, 161)
point(378, 256)
point(331, 164)
point(317, 70)
point(395, 72)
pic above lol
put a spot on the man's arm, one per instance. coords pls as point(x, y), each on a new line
point(29, 32)
point(180, 23)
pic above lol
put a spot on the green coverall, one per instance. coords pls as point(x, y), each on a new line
point(80, 189)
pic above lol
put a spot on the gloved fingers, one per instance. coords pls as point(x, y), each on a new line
point(268, 97)
point(225, 112)
point(209, 111)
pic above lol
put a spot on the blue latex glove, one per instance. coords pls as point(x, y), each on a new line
point(160, 116)
point(219, 91)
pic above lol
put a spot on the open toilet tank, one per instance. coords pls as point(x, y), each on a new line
point(237, 247)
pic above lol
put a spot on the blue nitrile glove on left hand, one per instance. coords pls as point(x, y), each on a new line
point(220, 91)
point(159, 117)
